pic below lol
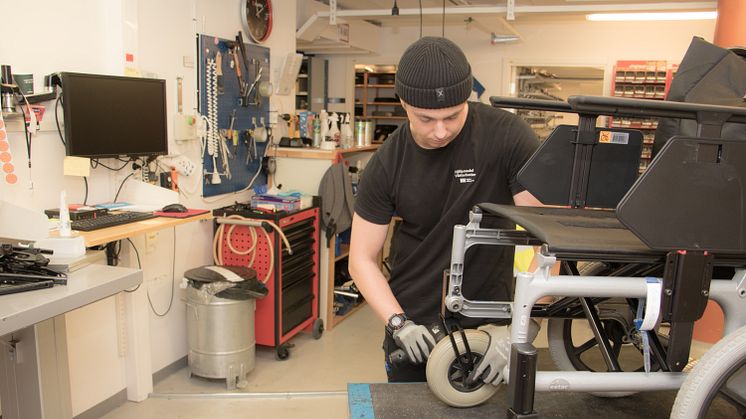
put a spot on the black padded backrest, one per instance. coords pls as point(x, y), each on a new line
point(614, 166)
point(707, 74)
point(692, 197)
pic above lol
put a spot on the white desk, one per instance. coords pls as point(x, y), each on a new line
point(33, 348)
point(136, 332)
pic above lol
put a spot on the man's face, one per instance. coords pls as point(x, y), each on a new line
point(435, 128)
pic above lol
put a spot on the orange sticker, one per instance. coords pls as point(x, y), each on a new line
point(11, 178)
point(5, 157)
point(604, 137)
point(8, 167)
point(4, 145)
point(3, 135)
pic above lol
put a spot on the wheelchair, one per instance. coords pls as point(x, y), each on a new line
point(640, 274)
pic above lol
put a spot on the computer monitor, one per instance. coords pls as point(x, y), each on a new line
point(110, 116)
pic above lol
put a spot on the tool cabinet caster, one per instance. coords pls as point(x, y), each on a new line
point(318, 329)
point(282, 353)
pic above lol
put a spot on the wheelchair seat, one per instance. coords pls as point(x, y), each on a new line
point(579, 234)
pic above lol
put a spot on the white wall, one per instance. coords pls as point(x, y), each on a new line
point(93, 36)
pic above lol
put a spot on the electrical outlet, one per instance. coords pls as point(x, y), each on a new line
point(185, 127)
point(184, 166)
point(151, 239)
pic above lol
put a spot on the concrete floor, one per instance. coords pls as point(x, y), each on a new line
point(312, 383)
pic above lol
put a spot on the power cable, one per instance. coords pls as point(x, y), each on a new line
point(173, 279)
point(57, 119)
point(121, 185)
point(85, 198)
point(139, 265)
point(95, 163)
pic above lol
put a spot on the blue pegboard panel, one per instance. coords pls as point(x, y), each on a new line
point(220, 98)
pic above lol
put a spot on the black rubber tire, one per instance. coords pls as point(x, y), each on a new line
point(439, 370)
point(282, 353)
point(318, 329)
point(713, 371)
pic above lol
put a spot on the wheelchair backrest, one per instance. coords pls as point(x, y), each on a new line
point(692, 197)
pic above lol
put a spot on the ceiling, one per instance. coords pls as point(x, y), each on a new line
point(489, 16)
point(524, 9)
point(387, 4)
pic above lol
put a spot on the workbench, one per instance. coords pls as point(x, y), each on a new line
point(33, 354)
point(416, 401)
point(139, 374)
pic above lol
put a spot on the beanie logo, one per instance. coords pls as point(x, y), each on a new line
point(440, 94)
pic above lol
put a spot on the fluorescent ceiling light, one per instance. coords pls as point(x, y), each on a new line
point(497, 39)
point(652, 16)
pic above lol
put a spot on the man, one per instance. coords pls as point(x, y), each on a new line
point(450, 156)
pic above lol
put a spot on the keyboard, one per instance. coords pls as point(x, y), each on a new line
point(110, 220)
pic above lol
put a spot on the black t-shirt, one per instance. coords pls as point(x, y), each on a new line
point(432, 190)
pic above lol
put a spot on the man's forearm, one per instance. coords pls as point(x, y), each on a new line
point(375, 288)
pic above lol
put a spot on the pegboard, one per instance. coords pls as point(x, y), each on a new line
point(242, 240)
point(220, 98)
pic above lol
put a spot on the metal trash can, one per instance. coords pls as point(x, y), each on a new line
point(220, 303)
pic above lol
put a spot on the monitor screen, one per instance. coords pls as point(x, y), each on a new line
point(108, 116)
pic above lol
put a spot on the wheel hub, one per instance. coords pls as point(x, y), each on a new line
point(459, 371)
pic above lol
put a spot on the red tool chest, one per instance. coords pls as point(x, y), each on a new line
point(292, 304)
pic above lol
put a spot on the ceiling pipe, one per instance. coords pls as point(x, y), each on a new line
point(570, 8)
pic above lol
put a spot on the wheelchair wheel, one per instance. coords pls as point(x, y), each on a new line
point(718, 379)
point(571, 352)
point(446, 378)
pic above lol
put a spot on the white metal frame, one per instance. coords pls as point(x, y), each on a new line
point(730, 294)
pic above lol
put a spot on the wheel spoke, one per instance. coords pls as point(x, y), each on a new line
point(579, 350)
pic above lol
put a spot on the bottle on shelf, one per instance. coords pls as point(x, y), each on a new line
point(334, 128)
point(324, 124)
point(346, 132)
point(316, 133)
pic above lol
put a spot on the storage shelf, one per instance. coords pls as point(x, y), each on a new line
point(344, 252)
point(384, 103)
point(374, 96)
point(314, 153)
point(398, 118)
point(641, 80)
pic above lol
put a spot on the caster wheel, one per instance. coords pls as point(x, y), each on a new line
point(446, 377)
point(318, 328)
point(282, 353)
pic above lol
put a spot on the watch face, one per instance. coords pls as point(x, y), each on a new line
point(396, 321)
point(257, 18)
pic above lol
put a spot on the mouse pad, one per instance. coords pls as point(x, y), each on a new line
point(187, 214)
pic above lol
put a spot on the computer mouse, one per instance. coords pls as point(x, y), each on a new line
point(174, 208)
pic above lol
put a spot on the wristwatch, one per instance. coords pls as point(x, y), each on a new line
point(395, 322)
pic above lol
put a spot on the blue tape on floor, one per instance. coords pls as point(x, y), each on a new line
point(360, 401)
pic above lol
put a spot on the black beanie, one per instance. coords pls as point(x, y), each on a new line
point(433, 73)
